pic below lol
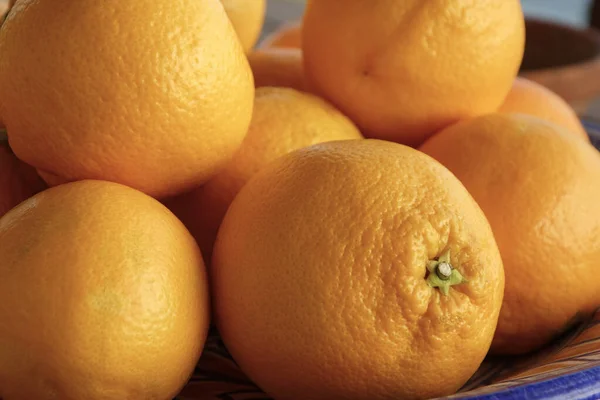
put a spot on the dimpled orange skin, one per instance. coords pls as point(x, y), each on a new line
point(18, 181)
point(402, 70)
point(319, 268)
point(528, 97)
point(103, 295)
point(154, 95)
point(247, 17)
point(538, 185)
point(284, 120)
point(277, 67)
point(288, 35)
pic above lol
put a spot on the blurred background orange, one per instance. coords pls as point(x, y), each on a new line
point(562, 52)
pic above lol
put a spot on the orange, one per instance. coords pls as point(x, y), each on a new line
point(528, 97)
point(18, 181)
point(402, 70)
point(157, 96)
point(325, 275)
point(538, 186)
point(288, 35)
point(103, 295)
point(284, 120)
point(277, 67)
point(247, 17)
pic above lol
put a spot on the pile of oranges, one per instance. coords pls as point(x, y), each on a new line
point(365, 204)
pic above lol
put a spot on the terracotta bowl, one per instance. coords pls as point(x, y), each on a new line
point(565, 59)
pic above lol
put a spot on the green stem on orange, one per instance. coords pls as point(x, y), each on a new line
point(442, 274)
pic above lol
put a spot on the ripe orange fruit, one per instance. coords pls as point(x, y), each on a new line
point(277, 67)
point(103, 295)
point(288, 35)
point(528, 97)
point(18, 181)
point(157, 96)
point(325, 275)
point(284, 120)
point(402, 70)
point(538, 185)
point(247, 17)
